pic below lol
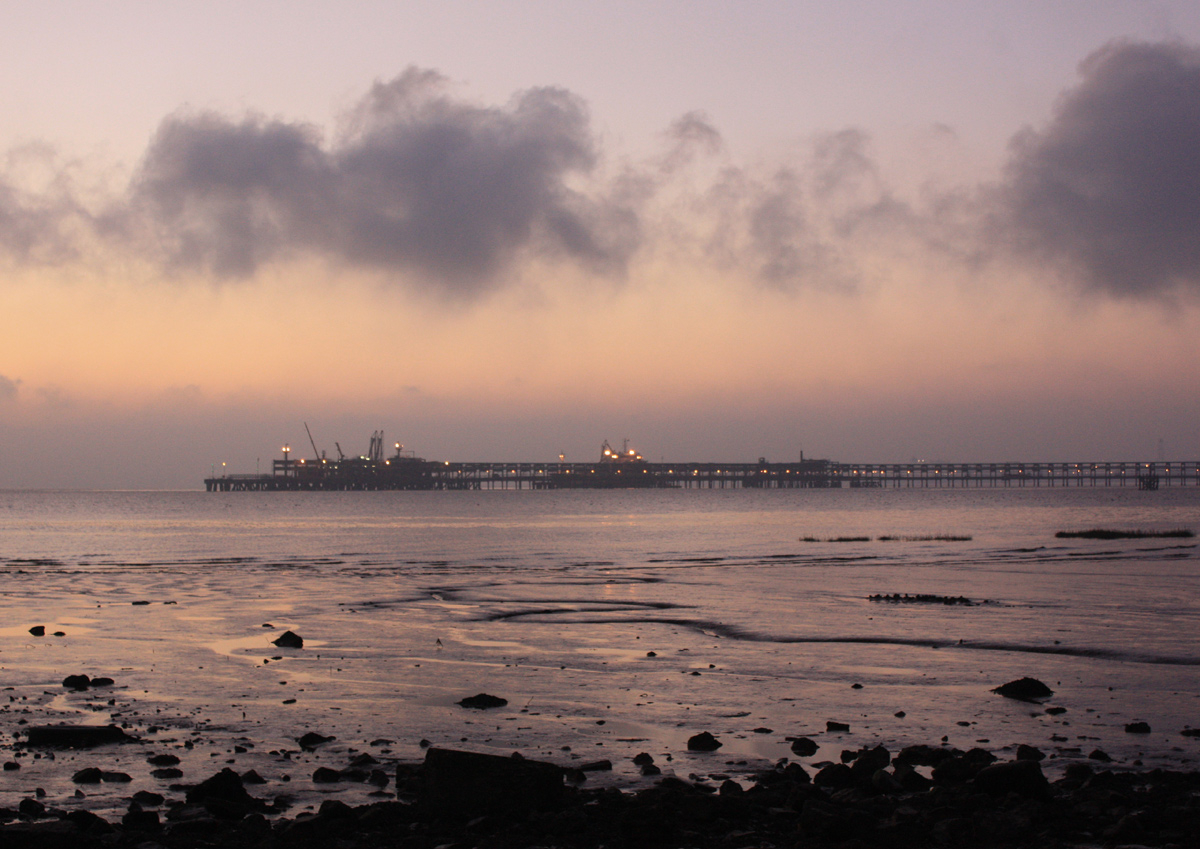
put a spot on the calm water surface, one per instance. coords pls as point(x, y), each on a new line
point(615, 622)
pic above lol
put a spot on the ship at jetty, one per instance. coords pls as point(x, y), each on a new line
point(627, 469)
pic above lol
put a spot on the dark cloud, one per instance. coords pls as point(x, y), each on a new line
point(1110, 188)
point(417, 182)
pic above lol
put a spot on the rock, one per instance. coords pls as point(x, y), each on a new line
point(89, 823)
point(223, 796)
point(147, 799)
point(642, 759)
point(909, 779)
point(87, 775)
point(162, 760)
point(482, 701)
point(77, 682)
point(467, 784)
point(38, 630)
point(311, 740)
point(804, 747)
point(650, 769)
point(596, 766)
point(167, 773)
point(796, 774)
point(869, 761)
point(1024, 778)
point(11, 766)
point(962, 767)
point(31, 808)
point(1100, 755)
point(834, 777)
point(882, 781)
point(325, 775)
point(289, 640)
point(1029, 753)
point(378, 778)
point(136, 819)
point(1024, 689)
point(102, 682)
point(76, 736)
point(703, 742)
point(252, 777)
point(841, 727)
point(1137, 728)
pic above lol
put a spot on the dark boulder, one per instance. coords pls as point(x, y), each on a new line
point(223, 796)
point(1025, 778)
point(923, 755)
point(88, 775)
point(868, 762)
point(31, 808)
point(1029, 753)
point(139, 819)
point(1024, 689)
point(804, 747)
point(148, 799)
point(837, 727)
point(76, 736)
point(834, 777)
point(468, 784)
point(311, 740)
point(482, 701)
point(289, 640)
point(77, 682)
point(703, 742)
point(1137, 728)
point(38, 630)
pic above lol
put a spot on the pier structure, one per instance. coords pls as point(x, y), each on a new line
point(402, 472)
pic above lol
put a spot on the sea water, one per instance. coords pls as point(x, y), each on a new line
point(613, 622)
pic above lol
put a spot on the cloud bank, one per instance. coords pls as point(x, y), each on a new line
point(418, 183)
point(450, 196)
point(1110, 188)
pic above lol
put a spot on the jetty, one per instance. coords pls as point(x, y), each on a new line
point(626, 469)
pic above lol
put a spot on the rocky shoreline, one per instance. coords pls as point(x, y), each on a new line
point(927, 795)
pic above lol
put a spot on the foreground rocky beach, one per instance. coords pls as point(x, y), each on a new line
point(921, 795)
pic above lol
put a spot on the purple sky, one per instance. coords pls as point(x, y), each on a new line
point(871, 231)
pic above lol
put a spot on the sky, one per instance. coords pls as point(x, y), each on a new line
point(866, 231)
